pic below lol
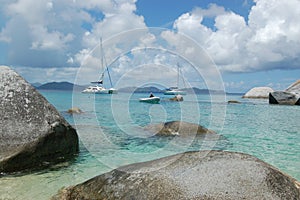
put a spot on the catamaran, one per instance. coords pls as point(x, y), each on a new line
point(98, 87)
point(175, 90)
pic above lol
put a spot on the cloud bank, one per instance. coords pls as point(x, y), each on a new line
point(269, 40)
point(58, 35)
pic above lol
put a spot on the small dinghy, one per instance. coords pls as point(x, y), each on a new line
point(150, 100)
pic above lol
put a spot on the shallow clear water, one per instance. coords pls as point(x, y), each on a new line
point(112, 134)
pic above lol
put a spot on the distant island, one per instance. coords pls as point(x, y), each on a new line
point(59, 86)
point(67, 86)
point(140, 90)
point(157, 90)
point(36, 84)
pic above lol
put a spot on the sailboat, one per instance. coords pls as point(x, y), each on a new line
point(98, 87)
point(175, 90)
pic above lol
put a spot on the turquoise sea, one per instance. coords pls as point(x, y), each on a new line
point(111, 133)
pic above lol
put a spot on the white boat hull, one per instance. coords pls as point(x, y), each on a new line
point(174, 92)
point(100, 90)
point(150, 100)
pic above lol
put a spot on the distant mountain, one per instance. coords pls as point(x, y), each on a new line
point(37, 84)
point(140, 90)
point(147, 90)
point(127, 89)
point(70, 86)
point(193, 90)
point(60, 86)
point(202, 91)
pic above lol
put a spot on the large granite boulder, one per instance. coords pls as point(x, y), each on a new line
point(33, 133)
point(284, 98)
point(177, 128)
point(291, 96)
point(294, 88)
point(258, 93)
point(202, 175)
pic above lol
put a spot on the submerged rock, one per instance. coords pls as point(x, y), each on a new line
point(258, 93)
point(177, 98)
point(33, 133)
point(284, 98)
point(233, 101)
point(192, 175)
point(75, 110)
point(177, 128)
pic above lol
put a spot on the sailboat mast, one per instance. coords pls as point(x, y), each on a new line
point(108, 72)
point(103, 61)
point(109, 77)
point(177, 75)
point(101, 51)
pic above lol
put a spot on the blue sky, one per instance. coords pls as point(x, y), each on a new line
point(166, 12)
point(250, 43)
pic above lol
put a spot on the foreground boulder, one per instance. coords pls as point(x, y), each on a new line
point(33, 133)
point(284, 98)
point(177, 128)
point(258, 93)
point(193, 175)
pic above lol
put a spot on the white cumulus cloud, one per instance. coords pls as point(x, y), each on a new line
point(270, 39)
point(62, 34)
point(44, 28)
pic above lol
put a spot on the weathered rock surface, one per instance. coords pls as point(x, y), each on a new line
point(202, 175)
point(294, 88)
point(177, 128)
point(74, 110)
point(284, 98)
point(291, 96)
point(177, 98)
point(258, 93)
point(33, 133)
